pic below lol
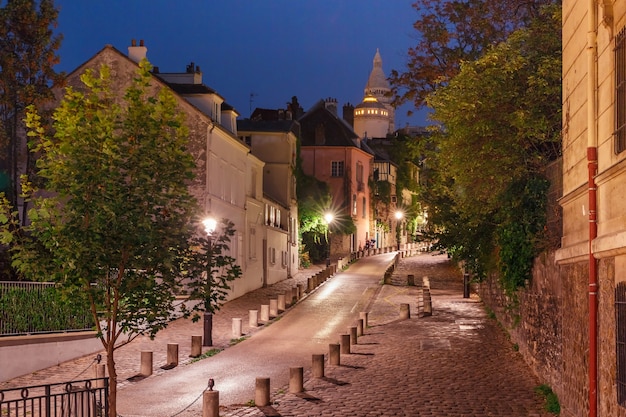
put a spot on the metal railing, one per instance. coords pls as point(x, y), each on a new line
point(84, 398)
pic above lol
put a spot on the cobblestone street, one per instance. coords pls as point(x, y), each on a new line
point(457, 362)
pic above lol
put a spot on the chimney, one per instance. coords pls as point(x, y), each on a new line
point(137, 53)
point(348, 114)
point(331, 104)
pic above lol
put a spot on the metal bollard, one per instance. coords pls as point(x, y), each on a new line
point(262, 392)
point(466, 285)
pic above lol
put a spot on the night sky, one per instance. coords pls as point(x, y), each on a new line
point(272, 49)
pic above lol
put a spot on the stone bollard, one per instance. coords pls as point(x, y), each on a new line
point(345, 344)
point(352, 331)
point(172, 354)
point(196, 346)
point(363, 315)
point(428, 306)
point(253, 319)
point(99, 371)
point(146, 363)
point(296, 380)
point(334, 354)
point(300, 288)
point(294, 295)
point(265, 313)
point(317, 368)
point(262, 392)
point(237, 327)
point(273, 307)
point(281, 302)
point(405, 311)
point(359, 327)
point(410, 280)
point(211, 404)
point(310, 284)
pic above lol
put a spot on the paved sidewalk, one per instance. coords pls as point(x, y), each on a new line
point(127, 358)
point(457, 362)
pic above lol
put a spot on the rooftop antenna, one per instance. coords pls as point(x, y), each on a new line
point(252, 96)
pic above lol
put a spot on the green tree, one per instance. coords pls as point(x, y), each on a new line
point(500, 119)
point(218, 267)
point(452, 31)
point(27, 57)
point(116, 220)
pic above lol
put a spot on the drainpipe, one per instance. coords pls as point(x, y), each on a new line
point(209, 145)
point(592, 164)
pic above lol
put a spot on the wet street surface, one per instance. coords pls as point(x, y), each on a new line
point(457, 362)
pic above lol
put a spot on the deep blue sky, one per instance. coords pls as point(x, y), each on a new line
point(276, 49)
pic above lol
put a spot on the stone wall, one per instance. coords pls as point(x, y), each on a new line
point(574, 392)
point(533, 318)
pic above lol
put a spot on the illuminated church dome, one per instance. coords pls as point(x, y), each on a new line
point(374, 117)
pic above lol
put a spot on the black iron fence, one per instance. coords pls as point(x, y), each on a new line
point(84, 398)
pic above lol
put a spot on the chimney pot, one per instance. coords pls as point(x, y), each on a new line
point(141, 42)
point(133, 42)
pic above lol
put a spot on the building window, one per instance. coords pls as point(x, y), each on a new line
point(336, 169)
point(620, 334)
point(272, 256)
point(364, 206)
point(620, 91)
point(252, 243)
point(354, 204)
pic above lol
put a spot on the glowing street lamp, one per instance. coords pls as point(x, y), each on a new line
point(399, 215)
point(210, 224)
point(328, 218)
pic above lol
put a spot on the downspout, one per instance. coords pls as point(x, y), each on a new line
point(592, 165)
point(209, 145)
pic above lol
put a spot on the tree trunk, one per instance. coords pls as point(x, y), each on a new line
point(112, 381)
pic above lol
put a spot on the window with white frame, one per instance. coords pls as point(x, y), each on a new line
point(336, 168)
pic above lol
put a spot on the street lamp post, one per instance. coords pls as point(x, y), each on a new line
point(328, 217)
point(207, 340)
point(399, 215)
